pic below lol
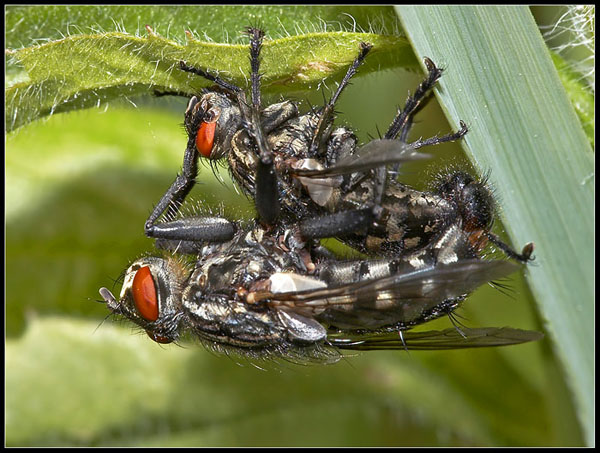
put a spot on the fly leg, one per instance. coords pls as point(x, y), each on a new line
point(451, 137)
point(326, 116)
point(523, 257)
point(266, 197)
point(189, 229)
point(336, 224)
point(403, 121)
point(344, 222)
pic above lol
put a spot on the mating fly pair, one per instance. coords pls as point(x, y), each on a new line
point(271, 287)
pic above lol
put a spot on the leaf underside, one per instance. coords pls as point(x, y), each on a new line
point(89, 70)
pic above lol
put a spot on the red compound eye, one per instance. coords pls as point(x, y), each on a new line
point(206, 138)
point(144, 294)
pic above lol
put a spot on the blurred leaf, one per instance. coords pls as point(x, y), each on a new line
point(579, 93)
point(523, 128)
point(125, 390)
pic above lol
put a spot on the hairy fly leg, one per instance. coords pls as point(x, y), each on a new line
point(320, 137)
point(187, 229)
point(402, 123)
point(267, 192)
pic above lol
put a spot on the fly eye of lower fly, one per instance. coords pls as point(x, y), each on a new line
point(144, 294)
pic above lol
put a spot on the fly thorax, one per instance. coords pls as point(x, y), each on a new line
point(342, 143)
point(293, 139)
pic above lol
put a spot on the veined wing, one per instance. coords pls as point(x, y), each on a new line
point(437, 283)
point(434, 339)
point(374, 154)
point(403, 299)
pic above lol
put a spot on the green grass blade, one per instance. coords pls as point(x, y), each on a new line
point(502, 82)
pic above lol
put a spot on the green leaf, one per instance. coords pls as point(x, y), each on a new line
point(76, 383)
point(28, 25)
point(84, 70)
point(501, 80)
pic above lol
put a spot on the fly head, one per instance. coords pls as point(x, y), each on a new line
point(473, 198)
point(151, 297)
point(214, 119)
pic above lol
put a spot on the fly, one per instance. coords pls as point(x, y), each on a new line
point(302, 168)
point(261, 295)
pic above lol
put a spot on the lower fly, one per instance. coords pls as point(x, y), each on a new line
point(260, 295)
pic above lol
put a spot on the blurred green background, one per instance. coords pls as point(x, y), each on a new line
point(79, 187)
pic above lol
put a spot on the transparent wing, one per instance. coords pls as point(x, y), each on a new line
point(374, 154)
point(435, 339)
point(435, 283)
point(407, 298)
